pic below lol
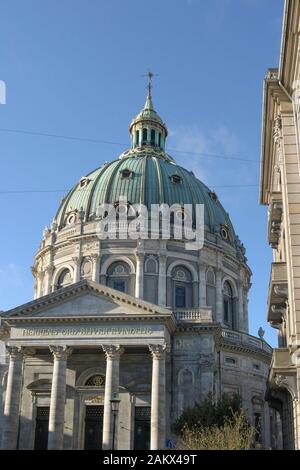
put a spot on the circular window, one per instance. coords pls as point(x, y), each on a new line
point(71, 219)
point(224, 233)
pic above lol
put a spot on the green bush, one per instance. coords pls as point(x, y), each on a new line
point(209, 413)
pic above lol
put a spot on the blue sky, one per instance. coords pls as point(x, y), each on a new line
point(74, 68)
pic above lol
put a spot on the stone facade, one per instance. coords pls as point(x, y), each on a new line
point(280, 190)
point(143, 321)
point(149, 356)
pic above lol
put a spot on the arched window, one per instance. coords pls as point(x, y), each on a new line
point(95, 381)
point(64, 279)
point(152, 137)
point(144, 136)
point(159, 139)
point(228, 306)
point(118, 276)
point(182, 287)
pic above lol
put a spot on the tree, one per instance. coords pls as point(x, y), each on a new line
point(211, 425)
point(208, 412)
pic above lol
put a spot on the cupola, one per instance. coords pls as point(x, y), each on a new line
point(148, 129)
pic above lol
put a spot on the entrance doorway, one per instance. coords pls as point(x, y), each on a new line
point(142, 428)
point(93, 427)
point(41, 428)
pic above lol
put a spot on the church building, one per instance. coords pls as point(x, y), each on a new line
point(124, 334)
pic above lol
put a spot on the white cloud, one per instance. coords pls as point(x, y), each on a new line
point(214, 171)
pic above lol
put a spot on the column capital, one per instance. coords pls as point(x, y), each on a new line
point(15, 352)
point(4, 330)
point(76, 259)
point(140, 256)
point(60, 352)
point(113, 351)
point(158, 351)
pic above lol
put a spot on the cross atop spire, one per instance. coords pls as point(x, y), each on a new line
point(150, 75)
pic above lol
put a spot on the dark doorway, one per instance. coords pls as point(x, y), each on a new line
point(41, 428)
point(142, 428)
point(93, 427)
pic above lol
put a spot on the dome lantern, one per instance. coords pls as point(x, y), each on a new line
point(148, 129)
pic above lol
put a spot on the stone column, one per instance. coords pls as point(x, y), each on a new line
point(48, 279)
point(139, 276)
point(162, 281)
point(195, 294)
point(58, 397)
point(219, 296)
point(112, 354)
point(95, 271)
point(241, 319)
point(12, 398)
point(77, 261)
point(158, 397)
point(40, 276)
point(202, 285)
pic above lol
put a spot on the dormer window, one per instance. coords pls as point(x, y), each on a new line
point(213, 196)
point(224, 232)
point(176, 179)
point(84, 181)
point(126, 173)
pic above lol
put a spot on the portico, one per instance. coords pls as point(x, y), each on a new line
point(59, 347)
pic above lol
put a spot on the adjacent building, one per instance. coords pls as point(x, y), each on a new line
point(280, 190)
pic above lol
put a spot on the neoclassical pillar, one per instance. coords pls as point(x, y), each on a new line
point(241, 318)
point(12, 398)
point(202, 285)
point(112, 353)
point(195, 294)
point(95, 271)
point(158, 397)
point(40, 276)
point(139, 276)
point(77, 261)
point(219, 296)
point(58, 397)
point(48, 278)
point(162, 281)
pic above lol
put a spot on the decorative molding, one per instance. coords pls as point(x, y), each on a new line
point(15, 352)
point(158, 351)
point(4, 330)
point(113, 351)
point(60, 352)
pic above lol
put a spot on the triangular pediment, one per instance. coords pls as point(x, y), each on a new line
point(84, 299)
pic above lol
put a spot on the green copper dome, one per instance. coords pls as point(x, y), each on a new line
point(144, 174)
